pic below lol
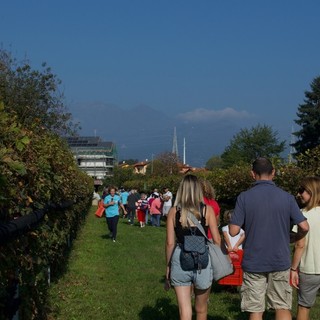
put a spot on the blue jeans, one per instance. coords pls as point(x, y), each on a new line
point(156, 220)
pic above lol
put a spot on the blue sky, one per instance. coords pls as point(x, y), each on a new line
point(201, 62)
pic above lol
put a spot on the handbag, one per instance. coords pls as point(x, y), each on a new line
point(194, 253)
point(99, 212)
point(220, 262)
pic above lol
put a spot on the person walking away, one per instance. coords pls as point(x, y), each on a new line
point(142, 206)
point(305, 267)
point(167, 202)
point(131, 205)
point(189, 201)
point(124, 199)
point(155, 209)
point(112, 202)
point(147, 212)
point(104, 193)
point(265, 213)
point(209, 200)
point(150, 199)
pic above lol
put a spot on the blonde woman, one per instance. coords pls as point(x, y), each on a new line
point(189, 199)
point(305, 268)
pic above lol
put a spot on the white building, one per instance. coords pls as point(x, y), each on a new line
point(94, 156)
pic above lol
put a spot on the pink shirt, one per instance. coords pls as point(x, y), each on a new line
point(155, 207)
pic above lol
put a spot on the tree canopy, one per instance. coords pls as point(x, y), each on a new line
point(309, 120)
point(214, 162)
point(249, 144)
point(34, 96)
point(164, 163)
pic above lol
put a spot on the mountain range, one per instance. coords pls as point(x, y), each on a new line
point(144, 132)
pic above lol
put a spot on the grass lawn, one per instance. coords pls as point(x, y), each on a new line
point(124, 280)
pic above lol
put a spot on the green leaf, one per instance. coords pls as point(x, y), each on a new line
point(19, 145)
point(17, 166)
point(25, 140)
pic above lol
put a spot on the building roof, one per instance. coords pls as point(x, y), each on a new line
point(88, 142)
point(141, 164)
point(91, 145)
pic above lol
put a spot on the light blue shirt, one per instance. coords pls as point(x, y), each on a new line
point(124, 197)
point(112, 211)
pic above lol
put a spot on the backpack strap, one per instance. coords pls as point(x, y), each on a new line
point(203, 209)
point(198, 225)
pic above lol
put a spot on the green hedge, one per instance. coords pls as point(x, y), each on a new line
point(35, 170)
point(228, 183)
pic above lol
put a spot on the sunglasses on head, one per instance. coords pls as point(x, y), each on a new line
point(301, 190)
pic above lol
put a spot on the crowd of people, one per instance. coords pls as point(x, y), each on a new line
point(263, 223)
point(137, 208)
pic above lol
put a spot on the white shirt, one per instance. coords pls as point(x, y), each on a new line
point(235, 239)
point(169, 202)
point(310, 260)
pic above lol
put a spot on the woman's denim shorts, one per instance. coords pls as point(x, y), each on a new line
point(202, 279)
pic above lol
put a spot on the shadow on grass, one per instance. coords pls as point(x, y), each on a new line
point(165, 309)
point(162, 310)
point(105, 236)
point(233, 301)
point(57, 270)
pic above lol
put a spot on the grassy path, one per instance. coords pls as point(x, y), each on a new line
point(124, 280)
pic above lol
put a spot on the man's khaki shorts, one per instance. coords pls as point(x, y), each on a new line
point(273, 285)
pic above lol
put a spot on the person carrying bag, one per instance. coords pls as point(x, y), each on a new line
point(184, 240)
point(194, 253)
point(220, 262)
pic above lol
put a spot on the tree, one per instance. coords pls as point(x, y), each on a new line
point(120, 176)
point(129, 161)
point(214, 162)
point(309, 120)
point(164, 164)
point(34, 96)
point(309, 161)
point(249, 144)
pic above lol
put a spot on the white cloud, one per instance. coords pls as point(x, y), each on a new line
point(204, 115)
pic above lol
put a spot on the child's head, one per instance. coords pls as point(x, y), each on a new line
point(227, 216)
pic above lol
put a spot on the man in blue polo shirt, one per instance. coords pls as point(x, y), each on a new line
point(266, 213)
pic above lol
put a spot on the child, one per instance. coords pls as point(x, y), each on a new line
point(142, 207)
point(233, 244)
